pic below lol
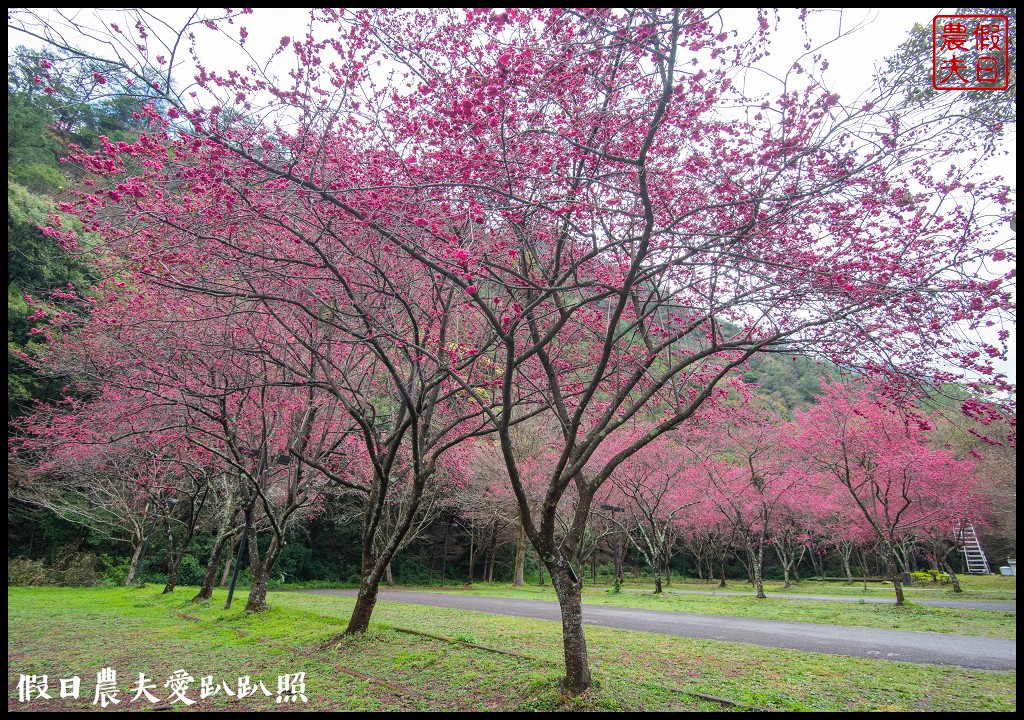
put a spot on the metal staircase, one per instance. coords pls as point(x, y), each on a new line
point(977, 563)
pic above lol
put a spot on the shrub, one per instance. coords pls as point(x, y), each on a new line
point(22, 572)
point(76, 569)
point(931, 576)
point(190, 572)
point(113, 570)
point(71, 569)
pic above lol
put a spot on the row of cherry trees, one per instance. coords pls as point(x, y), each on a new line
point(854, 474)
point(442, 228)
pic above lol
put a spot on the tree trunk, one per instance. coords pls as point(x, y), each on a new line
point(206, 590)
point(577, 670)
point(863, 567)
point(520, 565)
point(540, 571)
point(894, 572)
point(845, 555)
point(472, 537)
point(657, 583)
point(817, 562)
point(365, 602)
point(784, 559)
point(261, 570)
point(668, 568)
point(489, 557)
point(173, 558)
point(226, 575)
point(756, 563)
point(133, 567)
point(257, 601)
point(620, 554)
point(173, 565)
point(952, 576)
point(721, 573)
point(388, 578)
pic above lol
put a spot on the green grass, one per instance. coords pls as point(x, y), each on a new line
point(924, 618)
point(62, 632)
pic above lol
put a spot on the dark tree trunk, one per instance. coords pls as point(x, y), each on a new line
point(721, 573)
point(577, 670)
point(952, 576)
point(863, 567)
point(657, 565)
point(894, 572)
point(817, 562)
point(388, 578)
point(173, 565)
point(489, 558)
point(173, 557)
point(226, 575)
point(206, 589)
point(369, 586)
point(261, 570)
point(257, 601)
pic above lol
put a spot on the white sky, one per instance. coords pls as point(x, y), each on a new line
point(852, 59)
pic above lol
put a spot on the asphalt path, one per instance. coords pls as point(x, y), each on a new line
point(955, 604)
point(918, 647)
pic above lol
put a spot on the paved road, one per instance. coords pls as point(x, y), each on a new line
point(919, 647)
point(956, 604)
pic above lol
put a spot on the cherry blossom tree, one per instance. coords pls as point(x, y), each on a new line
point(878, 450)
point(708, 536)
point(652, 486)
point(187, 374)
point(748, 477)
point(106, 488)
point(842, 526)
point(611, 224)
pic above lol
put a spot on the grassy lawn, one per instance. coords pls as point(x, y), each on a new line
point(975, 587)
point(62, 632)
point(988, 623)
